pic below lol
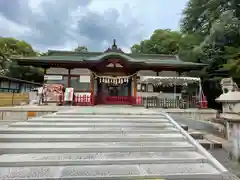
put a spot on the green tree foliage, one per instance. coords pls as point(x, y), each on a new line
point(81, 49)
point(162, 41)
point(4, 59)
point(208, 30)
point(210, 33)
point(10, 47)
point(165, 41)
point(218, 22)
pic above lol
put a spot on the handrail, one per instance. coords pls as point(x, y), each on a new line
point(200, 149)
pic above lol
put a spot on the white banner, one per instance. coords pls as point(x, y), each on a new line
point(53, 77)
point(85, 79)
point(68, 95)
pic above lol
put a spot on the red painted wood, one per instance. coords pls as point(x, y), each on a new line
point(83, 100)
point(118, 100)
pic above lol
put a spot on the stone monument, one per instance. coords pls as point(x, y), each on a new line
point(230, 100)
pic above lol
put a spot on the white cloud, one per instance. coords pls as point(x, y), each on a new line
point(48, 24)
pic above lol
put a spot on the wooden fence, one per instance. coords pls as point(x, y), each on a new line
point(13, 99)
point(156, 102)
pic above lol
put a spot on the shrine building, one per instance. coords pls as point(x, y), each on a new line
point(109, 77)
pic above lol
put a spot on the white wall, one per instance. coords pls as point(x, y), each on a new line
point(63, 71)
point(161, 73)
point(81, 71)
point(160, 95)
point(146, 73)
point(168, 73)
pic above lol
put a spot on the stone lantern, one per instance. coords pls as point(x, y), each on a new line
point(230, 100)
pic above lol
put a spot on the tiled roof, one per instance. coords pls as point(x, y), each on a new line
point(153, 59)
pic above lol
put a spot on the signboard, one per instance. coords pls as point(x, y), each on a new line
point(53, 77)
point(85, 79)
point(138, 87)
point(150, 88)
point(52, 92)
point(68, 95)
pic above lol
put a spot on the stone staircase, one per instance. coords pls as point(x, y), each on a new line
point(73, 145)
point(207, 143)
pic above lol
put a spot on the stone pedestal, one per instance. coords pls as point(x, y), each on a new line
point(230, 100)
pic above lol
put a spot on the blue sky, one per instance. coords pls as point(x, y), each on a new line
point(65, 24)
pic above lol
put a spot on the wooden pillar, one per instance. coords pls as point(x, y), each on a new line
point(135, 86)
point(69, 78)
point(44, 82)
point(44, 73)
point(130, 87)
point(179, 73)
point(157, 73)
point(92, 88)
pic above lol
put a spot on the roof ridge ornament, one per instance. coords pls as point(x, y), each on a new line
point(114, 48)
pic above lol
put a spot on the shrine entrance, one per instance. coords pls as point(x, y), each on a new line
point(113, 90)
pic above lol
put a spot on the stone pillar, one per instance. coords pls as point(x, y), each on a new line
point(230, 100)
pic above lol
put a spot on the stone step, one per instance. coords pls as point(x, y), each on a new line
point(185, 127)
point(69, 116)
point(90, 137)
point(206, 144)
point(215, 144)
point(110, 114)
point(6, 122)
point(120, 172)
point(63, 130)
point(197, 135)
point(65, 159)
point(81, 147)
point(100, 125)
point(97, 120)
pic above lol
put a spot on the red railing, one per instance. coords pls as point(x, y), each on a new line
point(79, 100)
point(118, 100)
point(83, 100)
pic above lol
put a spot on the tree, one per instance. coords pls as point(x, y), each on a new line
point(10, 47)
point(217, 21)
point(4, 59)
point(162, 41)
point(81, 49)
point(233, 63)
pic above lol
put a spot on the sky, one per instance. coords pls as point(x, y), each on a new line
point(66, 24)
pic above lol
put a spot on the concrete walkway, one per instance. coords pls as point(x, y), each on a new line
point(104, 143)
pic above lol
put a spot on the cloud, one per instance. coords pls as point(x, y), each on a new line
point(61, 24)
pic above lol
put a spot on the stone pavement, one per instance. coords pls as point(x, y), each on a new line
point(93, 143)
